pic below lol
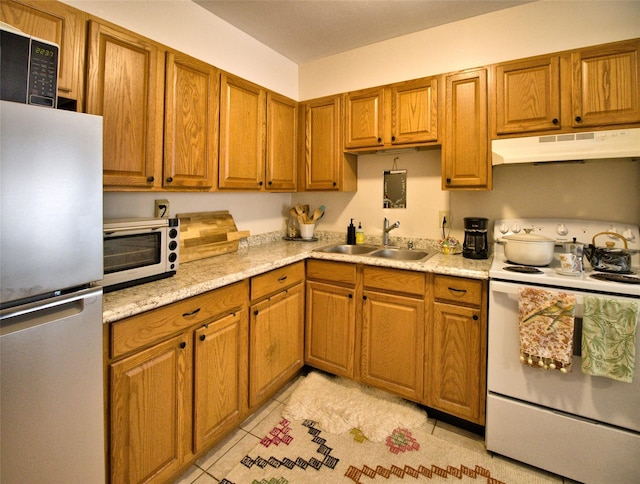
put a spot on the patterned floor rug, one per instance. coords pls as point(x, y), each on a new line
point(304, 451)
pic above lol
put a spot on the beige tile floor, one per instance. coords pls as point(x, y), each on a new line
point(212, 468)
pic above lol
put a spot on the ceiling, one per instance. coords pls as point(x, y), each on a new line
point(305, 30)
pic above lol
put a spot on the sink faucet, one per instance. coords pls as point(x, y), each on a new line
point(387, 229)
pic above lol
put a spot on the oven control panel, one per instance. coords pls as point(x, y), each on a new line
point(568, 230)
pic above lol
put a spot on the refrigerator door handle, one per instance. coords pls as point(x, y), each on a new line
point(64, 306)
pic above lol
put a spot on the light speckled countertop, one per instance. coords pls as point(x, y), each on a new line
point(200, 276)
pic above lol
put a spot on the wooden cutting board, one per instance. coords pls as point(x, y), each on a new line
point(207, 234)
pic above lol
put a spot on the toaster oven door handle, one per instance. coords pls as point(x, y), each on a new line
point(132, 230)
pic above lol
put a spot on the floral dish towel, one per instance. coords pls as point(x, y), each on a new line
point(609, 337)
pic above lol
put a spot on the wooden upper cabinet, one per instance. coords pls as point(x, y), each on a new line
point(281, 162)
point(192, 94)
point(527, 95)
point(242, 134)
point(465, 150)
point(414, 111)
point(364, 118)
point(606, 85)
point(59, 23)
point(125, 77)
point(323, 163)
point(399, 114)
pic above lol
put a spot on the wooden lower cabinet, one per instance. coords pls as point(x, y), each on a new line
point(178, 381)
point(330, 332)
point(149, 412)
point(456, 363)
point(276, 331)
point(393, 343)
point(220, 377)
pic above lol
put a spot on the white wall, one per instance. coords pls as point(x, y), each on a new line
point(526, 30)
point(541, 191)
point(189, 28)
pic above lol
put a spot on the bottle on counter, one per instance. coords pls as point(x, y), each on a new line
point(351, 234)
point(360, 234)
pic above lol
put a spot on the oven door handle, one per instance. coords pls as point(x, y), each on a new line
point(512, 291)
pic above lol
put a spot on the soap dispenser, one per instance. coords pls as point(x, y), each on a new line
point(351, 234)
point(360, 234)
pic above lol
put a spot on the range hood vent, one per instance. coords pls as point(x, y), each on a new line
point(596, 145)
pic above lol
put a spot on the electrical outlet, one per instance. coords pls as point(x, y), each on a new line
point(161, 209)
point(444, 219)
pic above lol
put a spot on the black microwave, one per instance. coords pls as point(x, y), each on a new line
point(28, 68)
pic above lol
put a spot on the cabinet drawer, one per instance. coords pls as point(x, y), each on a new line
point(276, 280)
point(458, 290)
point(335, 272)
point(395, 280)
point(139, 331)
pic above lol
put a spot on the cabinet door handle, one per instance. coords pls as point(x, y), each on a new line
point(282, 279)
point(578, 119)
point(255, 313)
point(202, 337)
point(150, 179)
point(448, 181)
point(350, 296)
point(393, 138)
point(379, 140)
point(191, 313)
point(335, 184)
point(169, 179)
point(364, 298)
point(555, 121)
point(475, 317)
point(183, 345)
point(459, 291)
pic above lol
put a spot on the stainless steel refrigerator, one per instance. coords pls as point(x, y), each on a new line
point(51, 379)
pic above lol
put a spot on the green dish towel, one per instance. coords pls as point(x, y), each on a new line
point(609, 337)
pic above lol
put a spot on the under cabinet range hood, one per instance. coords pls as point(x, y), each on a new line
point(596, 145)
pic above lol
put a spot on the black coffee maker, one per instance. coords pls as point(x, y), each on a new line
point(475, 238)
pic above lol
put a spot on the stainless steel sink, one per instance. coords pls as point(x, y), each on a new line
point(393, 253)
point(348, 249)
point(402, 254)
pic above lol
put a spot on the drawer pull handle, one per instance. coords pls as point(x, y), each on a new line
point(456, 290)
point(191, 313)
point(282, 279)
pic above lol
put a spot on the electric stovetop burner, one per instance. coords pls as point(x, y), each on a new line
point(616, 278)
point(523, 269)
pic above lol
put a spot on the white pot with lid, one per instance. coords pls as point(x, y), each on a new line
point(529, 249)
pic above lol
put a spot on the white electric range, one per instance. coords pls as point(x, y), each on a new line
point(583, 427)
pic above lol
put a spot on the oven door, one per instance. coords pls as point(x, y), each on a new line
point(597, 398)
point(131, 255)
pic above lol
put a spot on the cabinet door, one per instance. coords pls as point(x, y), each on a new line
point(59, 23)
point(190, 123)
point(456, 383)
point(125, 77)
point(393, 343)
point(276, 344)
point(242, 134)
point(149, 407)
point(282, 122)
point(220, 377)
point(528, 95)
point(364, 121)
point(606, 85)
point(323, 166)
point(465, 150)
point(330, 328)
point(414, 111)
